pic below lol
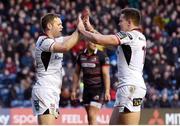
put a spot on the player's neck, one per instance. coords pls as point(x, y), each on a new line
point(90, 51)
point(49, 35)
point(135, 28)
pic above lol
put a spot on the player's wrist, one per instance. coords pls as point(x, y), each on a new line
point(89, 28)
point(92, 30)
point(107, 91)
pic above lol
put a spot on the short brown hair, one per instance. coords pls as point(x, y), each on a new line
point(47, 19)
point(133, 14)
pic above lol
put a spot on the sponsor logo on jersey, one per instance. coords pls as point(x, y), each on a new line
point(137, 101)
point(83, 58)
point(91, 65)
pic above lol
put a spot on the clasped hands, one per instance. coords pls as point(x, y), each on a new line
point(83, 23)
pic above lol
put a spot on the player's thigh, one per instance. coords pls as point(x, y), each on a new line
point(129, 118)
point(128, 105)
point(93, 102)
point(124, 118)
point(114, 120)
point(47, 119)
point(93, 108)
point(93, 111)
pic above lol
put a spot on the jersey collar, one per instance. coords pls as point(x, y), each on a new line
point(95, 51)
point(137, 29)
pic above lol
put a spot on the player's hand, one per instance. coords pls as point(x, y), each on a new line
point(80, 25)
point(107, 96)
point(85, 14)
point(88, 25)
point(85, 18)
point(73, 95)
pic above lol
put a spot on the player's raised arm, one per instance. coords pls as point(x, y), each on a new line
point(46, 90)
point(67, 43)
point(97, 38)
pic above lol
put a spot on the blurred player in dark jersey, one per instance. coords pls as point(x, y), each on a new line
point(94, 65)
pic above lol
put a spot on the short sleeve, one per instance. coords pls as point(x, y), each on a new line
point(59, 39)
point(46, 44)
point(124, 37)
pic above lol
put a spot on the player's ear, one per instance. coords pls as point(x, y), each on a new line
point(129, 22)
point(49, 26)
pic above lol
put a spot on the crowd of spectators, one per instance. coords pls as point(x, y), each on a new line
point(19, 29)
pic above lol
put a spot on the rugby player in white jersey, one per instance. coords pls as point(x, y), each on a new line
point(131, 45)
point(48, 56)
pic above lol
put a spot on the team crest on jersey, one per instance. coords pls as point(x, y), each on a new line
point(96, 97)
point(93, 59)
point(90, 65)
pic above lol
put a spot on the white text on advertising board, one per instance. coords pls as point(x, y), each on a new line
point(77, 119)
point(24, 119)
point(4, 119)
point(172, 118)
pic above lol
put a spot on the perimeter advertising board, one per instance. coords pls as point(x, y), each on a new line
point(160, 117)
point(74, 116)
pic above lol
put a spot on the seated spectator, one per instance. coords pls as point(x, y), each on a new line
point(164, 102)
point(175, 103)
point(152, 102)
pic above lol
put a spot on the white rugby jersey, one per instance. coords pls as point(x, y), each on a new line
point(130, 58)
point(48, 64)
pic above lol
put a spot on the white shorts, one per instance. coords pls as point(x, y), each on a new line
point(44, 99)
point(130, 97)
